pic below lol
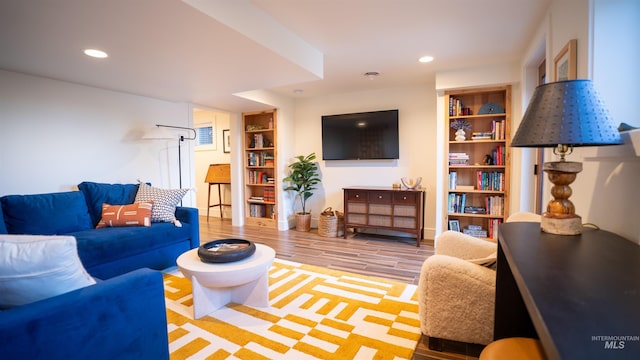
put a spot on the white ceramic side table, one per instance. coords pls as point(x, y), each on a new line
point(216, 284)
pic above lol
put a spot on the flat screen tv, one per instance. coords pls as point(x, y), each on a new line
point(360, 136)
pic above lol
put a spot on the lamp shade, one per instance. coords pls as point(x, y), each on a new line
point(566, 113)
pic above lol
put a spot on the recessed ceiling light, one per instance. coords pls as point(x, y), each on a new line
point(95, 53)
point(426, 59)
point(371, 74)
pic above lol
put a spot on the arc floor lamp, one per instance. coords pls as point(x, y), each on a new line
point(160, 133)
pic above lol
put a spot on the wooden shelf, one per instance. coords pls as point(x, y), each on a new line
point(477, 150)
point(260, 130)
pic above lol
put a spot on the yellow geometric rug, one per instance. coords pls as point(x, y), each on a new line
point(315, 313)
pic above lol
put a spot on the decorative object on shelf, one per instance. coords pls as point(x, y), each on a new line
point(454, 225)
point(564, 64)
point(488, 160)
point(226, 250)
point(410, 184)
point(460, 125)
point(158, 133)
point(302, 180)
point(254, 127)
point(562, 115)
point(491, 108)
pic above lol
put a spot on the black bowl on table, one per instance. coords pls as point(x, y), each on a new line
point(226, 250)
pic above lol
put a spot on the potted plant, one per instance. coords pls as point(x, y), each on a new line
point(302, 180)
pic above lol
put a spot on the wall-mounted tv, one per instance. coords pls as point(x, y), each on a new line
point(360, 136)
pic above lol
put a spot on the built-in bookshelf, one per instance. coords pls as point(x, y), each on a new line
point(478, 164)
point(259, 143)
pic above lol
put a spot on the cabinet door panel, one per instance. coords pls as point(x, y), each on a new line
point(377, 220)
point(380, 209)
point(404, 210)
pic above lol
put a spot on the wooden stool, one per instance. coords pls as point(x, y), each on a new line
point(516, 348)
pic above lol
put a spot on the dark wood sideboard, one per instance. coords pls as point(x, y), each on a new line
point(580, 295)
point(392, 209)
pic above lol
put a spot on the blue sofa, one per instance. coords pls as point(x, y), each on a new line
point(120, 318)
point(104, 252)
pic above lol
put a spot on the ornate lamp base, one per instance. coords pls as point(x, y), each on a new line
point(561, 226)
point(561, 218)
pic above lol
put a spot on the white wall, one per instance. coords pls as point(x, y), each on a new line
point(57, 134)
point(207, 155)
point(417, 126)
point(603, 192)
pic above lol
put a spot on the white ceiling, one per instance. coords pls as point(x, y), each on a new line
point(204, 51)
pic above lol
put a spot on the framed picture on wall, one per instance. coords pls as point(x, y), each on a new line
point(226, 141)
point(564, 64)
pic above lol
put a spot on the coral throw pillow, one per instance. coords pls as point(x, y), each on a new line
point(137, 214)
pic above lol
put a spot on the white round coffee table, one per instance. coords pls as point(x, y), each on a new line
point(214, 285)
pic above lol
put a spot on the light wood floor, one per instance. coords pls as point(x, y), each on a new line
point(396, 258)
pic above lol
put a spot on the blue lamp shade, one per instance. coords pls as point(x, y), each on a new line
point(566, 113)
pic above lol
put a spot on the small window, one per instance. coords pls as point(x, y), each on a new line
point(204, 135)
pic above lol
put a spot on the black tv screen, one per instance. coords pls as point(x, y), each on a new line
point(358, 136)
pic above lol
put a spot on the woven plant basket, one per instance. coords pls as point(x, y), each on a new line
point(328, 223)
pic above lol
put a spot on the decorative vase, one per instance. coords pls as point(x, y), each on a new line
point(410, 184)
point(303, 222)
point(460, 135)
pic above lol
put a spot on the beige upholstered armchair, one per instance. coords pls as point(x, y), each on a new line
point(456, 290)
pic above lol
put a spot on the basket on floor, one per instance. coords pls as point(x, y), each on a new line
point(328, 223)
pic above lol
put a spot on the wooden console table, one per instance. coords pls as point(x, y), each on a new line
point(399, 210)
point(580, 295)
point(218, 174)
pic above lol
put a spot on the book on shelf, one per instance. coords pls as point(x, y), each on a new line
point(494, 205)
point(493, 228)
point(458, 159)
point(456, 203)
point(481, 233)
point(453, 180)
point(498, 129)
point(259, 141)
point(498, 155)
point(456, 108)
point(475, 210)
point(465, 187)
point(482, 135)
point(491, 181)
point(269, 194)
point(257, 210)
point(260, 159)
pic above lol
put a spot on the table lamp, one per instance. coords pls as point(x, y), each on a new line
point(563, 115)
